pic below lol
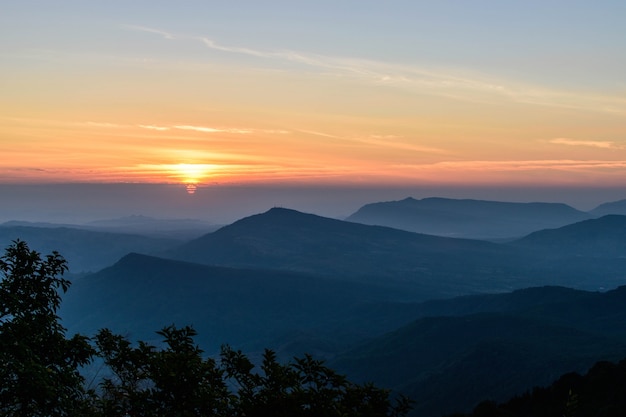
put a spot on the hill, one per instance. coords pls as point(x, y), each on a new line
point(450, 363)
point(424, 266)
point(604, 237)
point(614, 207)
point(477, 219)
point(182, 229)
point(85, 250)
point(246, 308)
point(599, 392)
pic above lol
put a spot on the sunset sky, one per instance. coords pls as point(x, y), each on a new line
point(402, 93)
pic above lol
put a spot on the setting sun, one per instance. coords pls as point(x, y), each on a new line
point(190, 173)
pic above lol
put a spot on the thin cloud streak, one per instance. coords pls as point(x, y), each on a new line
point(383, 141)
point(527, 165)
point(588, 143)
point(154, 127)
point(441, 82)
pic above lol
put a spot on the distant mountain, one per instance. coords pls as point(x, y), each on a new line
point(424, 266)
point(251, 309)
point(615, 207)
point(604, 237)
point(85, 250)
point(451, 362)
point(183, 229)
point(477, 219)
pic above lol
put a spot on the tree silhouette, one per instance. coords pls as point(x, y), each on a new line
point(38, 365)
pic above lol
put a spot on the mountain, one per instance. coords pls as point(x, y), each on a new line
point(251, 309)
point(477, 219)
point(604, 237)
point(615, 207)
point(594, 248)
point(84, 250)
point(183, 229)
point(599, 392)
point(424, 266)
point(451, 362)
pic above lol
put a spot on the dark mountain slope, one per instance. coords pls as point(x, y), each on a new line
point(467, 218)
point(425, 266)
point(599, 392)
point(558, 303)
point(451, 363)
point(247, 308)
point(596, 238)
point(84, 250)
point(593, 248)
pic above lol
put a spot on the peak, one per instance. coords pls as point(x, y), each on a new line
point(278, 210)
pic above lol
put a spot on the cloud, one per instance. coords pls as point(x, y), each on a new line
point(197, 128)
point(382, 141)
point(162, 33)
point(204, 129)
point(522, 165)
point(154, 127)
point(589, 143)
point(101, 124)
point(458, 84)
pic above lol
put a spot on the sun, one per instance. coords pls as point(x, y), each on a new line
point(191, 174)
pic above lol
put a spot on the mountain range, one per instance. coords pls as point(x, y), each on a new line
point(435, 317)
point(477, 219)
point(492, 347)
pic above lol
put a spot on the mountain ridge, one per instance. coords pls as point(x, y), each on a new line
point(469, 218)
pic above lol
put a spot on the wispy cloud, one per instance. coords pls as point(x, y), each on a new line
point(154, 127)
point(381, 141)
point(589, 143)
point(523, 165)
point(446, 82)
point(205, 129)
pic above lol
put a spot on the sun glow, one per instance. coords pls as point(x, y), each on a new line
point(191, 174)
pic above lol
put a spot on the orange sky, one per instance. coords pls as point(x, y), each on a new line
point(129, 97)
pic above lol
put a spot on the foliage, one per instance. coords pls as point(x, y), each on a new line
point(149, 382)
point(600, 392)
point(38, 365)
point(304, 387)
point(178, 381)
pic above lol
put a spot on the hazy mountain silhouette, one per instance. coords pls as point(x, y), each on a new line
point(254, 309)
point(604, 237)
point(425, 266)
point(85, 250)
point(183, 229)
point(452, 362)
point(467, 218)
point(614, 207)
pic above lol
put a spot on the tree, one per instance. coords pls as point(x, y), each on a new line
point(174, 381)
point(39, 366)
point(304, 388)
point(178, 381)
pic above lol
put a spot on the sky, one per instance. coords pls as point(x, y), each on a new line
point(399, 94)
